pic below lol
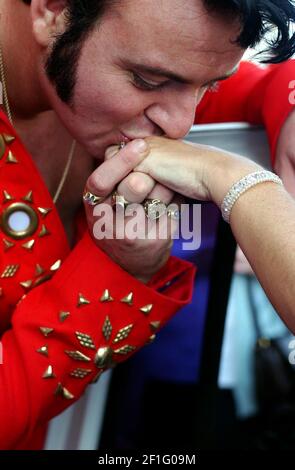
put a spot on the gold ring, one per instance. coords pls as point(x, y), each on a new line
point(118, 200)
point(122, 145)
point(91, 198)
point(154, 208)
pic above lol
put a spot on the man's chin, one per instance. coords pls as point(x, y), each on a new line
point(97, 149)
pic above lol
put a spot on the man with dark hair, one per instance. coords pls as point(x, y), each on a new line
point(101, 73)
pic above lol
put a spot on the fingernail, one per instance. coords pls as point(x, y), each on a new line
point(140, 145)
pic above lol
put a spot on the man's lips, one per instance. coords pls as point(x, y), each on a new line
point(125, 138)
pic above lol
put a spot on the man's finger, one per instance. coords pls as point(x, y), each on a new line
point(111, 152)
point(161, 192)
point(136, 186)
point(106, 177)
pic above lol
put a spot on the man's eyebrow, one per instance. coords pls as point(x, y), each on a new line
point(223, 77)
point(159, 71)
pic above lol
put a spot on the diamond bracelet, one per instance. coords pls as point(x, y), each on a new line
point(242, 186)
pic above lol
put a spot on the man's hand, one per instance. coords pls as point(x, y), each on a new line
point(285, 156)
point(142, 258)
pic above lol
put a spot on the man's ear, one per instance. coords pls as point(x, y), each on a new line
point(48, 19)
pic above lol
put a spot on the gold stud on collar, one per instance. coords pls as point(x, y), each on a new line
point(11, 158)
point(44, 211)
point(106, 296)
point(8, 138)
point(39, 270)
point(82, 301)
point(44, 231)
point(43, 350)
point(56, 265)
point(7, 244)
point(7, 197)
point(28, 197)
point(155, 325)
point(26, 284)
point(146, 309)
point(128, 299)
point(49, 374)
point(45, 330)
point(63, 392)
point(29, 245)
point(63, 316)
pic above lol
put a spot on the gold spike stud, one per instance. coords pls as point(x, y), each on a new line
point(7, 244)
point(44, 211)
point(82, 301)
point(28, 197)
point(44, 231)
point(43, 350)
point(80, 373)
point(49, 374)
point(59, 389)
point(11, 158)
point(151, 339)
point(26, 284)
point(29, 245)
point(128, 299)
point(63, 316)
point(146, 309)
point(155, 325)
point(107, 328)
point(123, 334)
point(39, 270)
point(2, 146)
point(8, 138)
point(45, 330)
point(7, 197)
point(56, 265)
point(85, 340)
point(106, 296)
point(63, 392)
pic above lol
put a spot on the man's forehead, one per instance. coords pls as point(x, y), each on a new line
point(181, 42)
point(180, 21)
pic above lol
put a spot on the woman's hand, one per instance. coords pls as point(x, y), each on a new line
point(142, 258)
point(193, 170)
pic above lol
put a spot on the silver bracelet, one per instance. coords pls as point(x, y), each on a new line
point(242, 186)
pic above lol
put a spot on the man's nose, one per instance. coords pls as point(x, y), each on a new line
point(175, 114)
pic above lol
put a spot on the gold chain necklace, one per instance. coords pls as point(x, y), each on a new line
point(9, 115)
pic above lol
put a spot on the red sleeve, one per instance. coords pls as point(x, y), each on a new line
point(256, 95)
point(49, 357)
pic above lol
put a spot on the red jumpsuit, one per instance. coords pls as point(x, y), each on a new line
point(69, 314)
